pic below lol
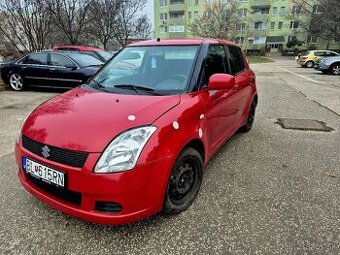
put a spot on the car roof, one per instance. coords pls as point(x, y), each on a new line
point(194, 41)
point(79, 47)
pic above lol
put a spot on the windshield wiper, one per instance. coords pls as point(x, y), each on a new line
point(98, 86)
point(137, 88)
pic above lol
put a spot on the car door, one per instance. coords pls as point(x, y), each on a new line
point(63, 71)
point(34, 69)
point(243, 81)
point(220, 106)
point(318, 55)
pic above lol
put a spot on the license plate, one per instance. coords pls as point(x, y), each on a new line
point(43, 173)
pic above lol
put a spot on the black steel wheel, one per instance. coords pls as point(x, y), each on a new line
point(184, 182)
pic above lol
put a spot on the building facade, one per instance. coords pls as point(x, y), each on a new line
point(266, 25)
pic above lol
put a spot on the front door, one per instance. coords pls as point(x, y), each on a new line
point(220, 107)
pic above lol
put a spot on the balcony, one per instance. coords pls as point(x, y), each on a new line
point(259, 17)
point(177, 21)
point(177, 35)
point(257, 32)
point(260, 3)
point(176, 7)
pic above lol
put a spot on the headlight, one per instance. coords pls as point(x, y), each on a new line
point(123, 152)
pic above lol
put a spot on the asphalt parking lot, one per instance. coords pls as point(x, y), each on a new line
point(270, 191)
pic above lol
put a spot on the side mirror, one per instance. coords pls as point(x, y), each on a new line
point(221, 81)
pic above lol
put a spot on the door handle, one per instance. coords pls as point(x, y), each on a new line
point(23, 67)
point(52, 69)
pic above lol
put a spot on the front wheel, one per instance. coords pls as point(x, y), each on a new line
point(310, 64)
point(16, 82)
point(184, 182)
point(335, 69)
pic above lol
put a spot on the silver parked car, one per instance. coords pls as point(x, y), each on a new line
point(329, 65)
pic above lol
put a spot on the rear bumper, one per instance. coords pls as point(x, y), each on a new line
point(140, 191)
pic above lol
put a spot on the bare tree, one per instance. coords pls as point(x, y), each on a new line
point(318, 18)
point(25, 23)
point(71, 16)
point(103, 15)
point(131, 24)
point(219, 21)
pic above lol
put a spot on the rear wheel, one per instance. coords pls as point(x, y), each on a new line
point(309, 64)
point(335, 69)
point(184, 182)
point(250, 120)
point(16, 82)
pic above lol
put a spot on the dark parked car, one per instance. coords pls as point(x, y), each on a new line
point(51, 69)
point(329, 65)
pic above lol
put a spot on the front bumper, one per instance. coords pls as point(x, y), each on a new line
point(140, 191)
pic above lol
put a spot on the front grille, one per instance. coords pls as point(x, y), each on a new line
point(63, 156)
point(64, 194)
point(108, 207)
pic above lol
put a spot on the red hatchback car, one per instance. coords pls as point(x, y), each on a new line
point(133, 141)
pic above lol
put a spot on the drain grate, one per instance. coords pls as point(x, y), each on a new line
point(303, 124)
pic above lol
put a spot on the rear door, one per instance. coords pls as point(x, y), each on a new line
point(34, 69)
point(244, 78)
point(63, 72)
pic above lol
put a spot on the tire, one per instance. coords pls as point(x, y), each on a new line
point(184, 181)
point(309, 64)
point(16, 82)
point(250, 119)
point(335, 69)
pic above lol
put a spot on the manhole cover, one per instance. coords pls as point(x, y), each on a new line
point(303, 124)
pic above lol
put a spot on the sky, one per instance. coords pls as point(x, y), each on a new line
point(148, 10)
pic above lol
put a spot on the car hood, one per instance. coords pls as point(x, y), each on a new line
point(85, 120)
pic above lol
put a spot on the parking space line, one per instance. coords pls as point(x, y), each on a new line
point(299, 75)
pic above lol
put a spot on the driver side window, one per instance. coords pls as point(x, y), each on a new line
point(215, 62)
point(60, 60)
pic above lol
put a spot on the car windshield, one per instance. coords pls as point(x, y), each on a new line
point(158, 70)
point(105, 54)
point(84, 59)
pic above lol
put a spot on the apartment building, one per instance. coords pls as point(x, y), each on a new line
point(266, 25)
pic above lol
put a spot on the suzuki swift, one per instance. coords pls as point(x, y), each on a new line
point(133, 141)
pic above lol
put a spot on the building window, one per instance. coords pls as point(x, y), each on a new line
point(272, 25)
point(189, 15)
point(291, 38)
point(280, 25)
point(207, 14)
point(225, 1)
point(283, 10)
point(164, 29)
point(294, 24)
point(274, 11)
point(196, 14)
point(258, 25)
point(312, 39)
point(196, 2)
point(163, 3)
point(239, 40)
point(243, 1)
point(163, 16)
point(317, 9)
point(296, 10)
point(242, 12)
point(241, 27)
point(176, 15)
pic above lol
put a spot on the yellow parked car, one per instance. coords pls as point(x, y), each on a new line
point(308, 58)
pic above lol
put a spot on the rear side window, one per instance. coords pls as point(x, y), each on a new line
point(60, 60)
point(236, 60)
point(35, 59)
